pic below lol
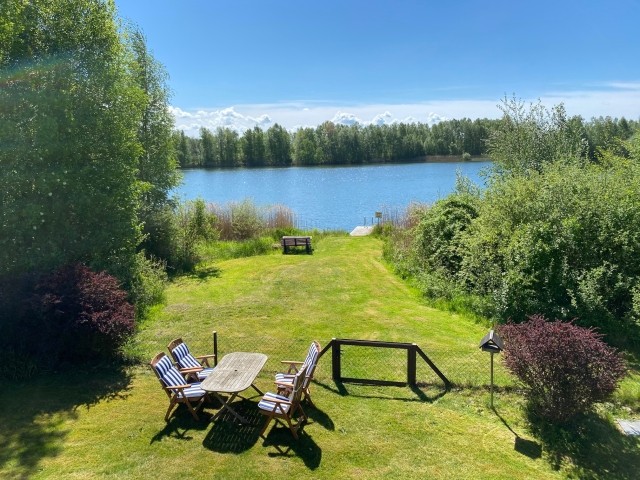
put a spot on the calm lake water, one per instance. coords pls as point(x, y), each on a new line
point(331, 197)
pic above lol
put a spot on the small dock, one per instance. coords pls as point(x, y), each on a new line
point(361, 231)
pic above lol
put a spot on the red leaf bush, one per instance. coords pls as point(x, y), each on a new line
point(564, 368)
point(86, 314)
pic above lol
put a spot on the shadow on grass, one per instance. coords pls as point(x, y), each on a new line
point(423, 392)
point(319, 417)
point(32, 413)
point(228, 435)
point(521, 445)
point(204, 273)
point(181, 423)
point(590, 448)
point(304, 447)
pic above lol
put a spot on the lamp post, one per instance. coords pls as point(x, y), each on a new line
point(493, 344)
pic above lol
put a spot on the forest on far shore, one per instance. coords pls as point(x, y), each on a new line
point(336, 144)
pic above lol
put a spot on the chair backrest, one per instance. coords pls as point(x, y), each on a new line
point(166, 372)
point(311, 362)
point(298, 387)
point(181, 354)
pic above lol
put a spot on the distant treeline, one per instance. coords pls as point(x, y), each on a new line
point(333, 144)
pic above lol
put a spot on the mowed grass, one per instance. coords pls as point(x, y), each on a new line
point(98, 424)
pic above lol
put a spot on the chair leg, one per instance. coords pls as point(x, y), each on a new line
point(172, 404)
point(293, 428)
point(264, 427)
point(191, 409)
point(307, 396)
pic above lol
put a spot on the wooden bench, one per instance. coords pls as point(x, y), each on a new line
point(295, 241)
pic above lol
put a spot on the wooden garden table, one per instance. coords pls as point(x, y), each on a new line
point(235, 373)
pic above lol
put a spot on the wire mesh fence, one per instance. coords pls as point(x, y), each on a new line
point(463, 367)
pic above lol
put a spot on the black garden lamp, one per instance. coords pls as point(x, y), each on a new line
point(491, 343)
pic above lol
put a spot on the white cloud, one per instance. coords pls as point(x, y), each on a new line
point(191, 122)
point(615, 99)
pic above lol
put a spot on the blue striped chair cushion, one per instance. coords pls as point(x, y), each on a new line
point(310, 362)
point(284, 377)
point(169, 374)
point(268, 404)
point(311, 356)
point(194, 391)
point(202, 374)
point(184, 357)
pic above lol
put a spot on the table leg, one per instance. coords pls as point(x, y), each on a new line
point(257, 389)
point(226, 406)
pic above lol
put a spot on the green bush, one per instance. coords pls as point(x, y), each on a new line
point(148, 283)
point(564, 243)
point(439, 235)
point(196, 224)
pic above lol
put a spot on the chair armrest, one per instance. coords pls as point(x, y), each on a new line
point(284, 384)
point(191, 369)
point(202, 357)
point(177, 387)
point(276, 400)
point(293, 365)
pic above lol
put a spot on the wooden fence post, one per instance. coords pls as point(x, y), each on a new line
point(411, 365)
point(335, 361)
point(215, 348)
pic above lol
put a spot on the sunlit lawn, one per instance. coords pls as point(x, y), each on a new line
point(94, 424)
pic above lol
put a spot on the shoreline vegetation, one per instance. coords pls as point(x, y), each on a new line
point(421, 159)
point(336, 144)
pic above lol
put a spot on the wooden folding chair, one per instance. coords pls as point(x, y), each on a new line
point(197, 368)
point(176, 386)
point(285, 380)
point(284, 408)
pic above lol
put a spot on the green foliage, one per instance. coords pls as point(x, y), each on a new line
point(337, 144)
point(157, 166)
point(195, 225)
point(225, 250)
point(564, 368)
point(552, 234)
point(563, 242)
point(439, 235)
point(246, 221)
point(70, 113)
point(528, 139)
point(148, 283)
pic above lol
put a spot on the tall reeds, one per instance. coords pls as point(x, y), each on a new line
point(245, 220)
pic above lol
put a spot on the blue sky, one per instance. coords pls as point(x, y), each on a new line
point(298, 63)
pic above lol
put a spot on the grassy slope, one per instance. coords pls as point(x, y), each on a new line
point(96, 425)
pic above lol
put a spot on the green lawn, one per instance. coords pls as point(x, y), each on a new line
point(96, 424)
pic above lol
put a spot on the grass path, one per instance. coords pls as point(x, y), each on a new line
point(110, 425)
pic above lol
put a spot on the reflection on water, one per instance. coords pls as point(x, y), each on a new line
point(331, 197)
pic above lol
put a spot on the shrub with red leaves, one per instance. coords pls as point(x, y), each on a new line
point(564, 368)
point(85, 314)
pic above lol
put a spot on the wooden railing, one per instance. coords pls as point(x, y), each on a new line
point(413, 351)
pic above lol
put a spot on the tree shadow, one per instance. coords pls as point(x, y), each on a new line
point(282, 440)
point(206, 272)
point(33, 411)
point(591, 447)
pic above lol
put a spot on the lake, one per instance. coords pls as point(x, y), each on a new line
point(329, 198)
